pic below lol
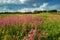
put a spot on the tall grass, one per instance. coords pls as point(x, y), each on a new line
point(30, 27)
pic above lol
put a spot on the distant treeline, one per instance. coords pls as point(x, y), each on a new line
point(50, 11)
point(35, 12)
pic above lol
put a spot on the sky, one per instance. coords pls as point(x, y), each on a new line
point(28, 5)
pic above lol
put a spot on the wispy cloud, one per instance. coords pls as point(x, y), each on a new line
point(17, 1)
point(42, 7)
point(27, 5)
point(7, 1)
point(22, 1)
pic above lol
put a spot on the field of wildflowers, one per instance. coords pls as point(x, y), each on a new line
point(30, 26)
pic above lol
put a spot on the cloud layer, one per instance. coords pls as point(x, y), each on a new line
point(22, 1)
point(18, 1)
point(42, 7)
point(28, 5)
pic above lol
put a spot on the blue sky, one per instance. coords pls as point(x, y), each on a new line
point(28, 5)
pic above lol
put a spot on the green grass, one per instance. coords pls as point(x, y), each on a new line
point(50, 27)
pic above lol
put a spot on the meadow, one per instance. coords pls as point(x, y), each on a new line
point(43, 26)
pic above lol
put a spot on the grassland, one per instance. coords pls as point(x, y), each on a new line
point(44, 26)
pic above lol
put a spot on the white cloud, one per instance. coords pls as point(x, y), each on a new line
point(12, 1)
point(18, 1)
point(26, 10)
point(22, 1)
point(42, 7)
point(7, 1)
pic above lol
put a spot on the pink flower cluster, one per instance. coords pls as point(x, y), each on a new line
point(24, 20)
point(13, 20)
point(31, 35)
